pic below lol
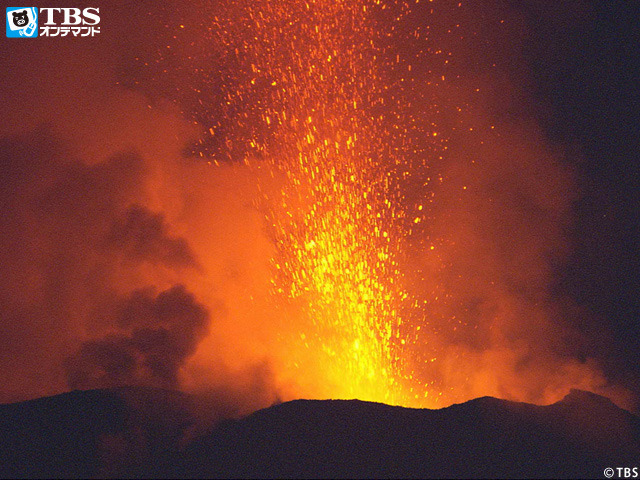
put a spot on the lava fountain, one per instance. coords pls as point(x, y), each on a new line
point(307, 99)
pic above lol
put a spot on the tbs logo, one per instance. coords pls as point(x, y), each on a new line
point(22, 22)
point(56, 22)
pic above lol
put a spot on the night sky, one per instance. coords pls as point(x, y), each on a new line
point(82, 117)
point(586, 65)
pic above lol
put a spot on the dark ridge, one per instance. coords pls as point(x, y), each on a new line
point(485, 437)
point(136, 432)
point(94, 433)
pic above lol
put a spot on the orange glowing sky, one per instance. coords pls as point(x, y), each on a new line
point(366, 207)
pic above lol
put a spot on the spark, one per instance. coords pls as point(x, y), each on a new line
point(309, 98)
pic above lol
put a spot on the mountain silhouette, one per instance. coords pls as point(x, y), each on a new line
point(137, 432)
point(94, 433)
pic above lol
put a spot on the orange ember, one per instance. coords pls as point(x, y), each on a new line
point(309, 101)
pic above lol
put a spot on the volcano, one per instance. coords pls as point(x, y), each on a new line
point(138, 432)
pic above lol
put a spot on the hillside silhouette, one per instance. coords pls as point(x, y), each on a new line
point(139, 432)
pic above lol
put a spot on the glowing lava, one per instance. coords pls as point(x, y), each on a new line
point(306, 97)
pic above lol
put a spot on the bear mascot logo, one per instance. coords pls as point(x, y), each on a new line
point(20, 19)
point(22, 22)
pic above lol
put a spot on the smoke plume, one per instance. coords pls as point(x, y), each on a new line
point(162, 331)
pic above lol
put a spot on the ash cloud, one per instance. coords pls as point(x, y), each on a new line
point(143, 235)
point(115, 249)
point(161, 333)
point(65, 232)
point(97, 289)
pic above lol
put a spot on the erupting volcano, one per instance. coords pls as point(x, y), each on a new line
point(335, 109)
point(239, 237)
point(412, 202)
point(308, 101)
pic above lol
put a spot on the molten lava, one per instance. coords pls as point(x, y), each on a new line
point(411, 239)
point(308, 99)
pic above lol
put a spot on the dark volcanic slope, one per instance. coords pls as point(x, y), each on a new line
point(575, 438)
point(138, 432)
point(95, 433)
